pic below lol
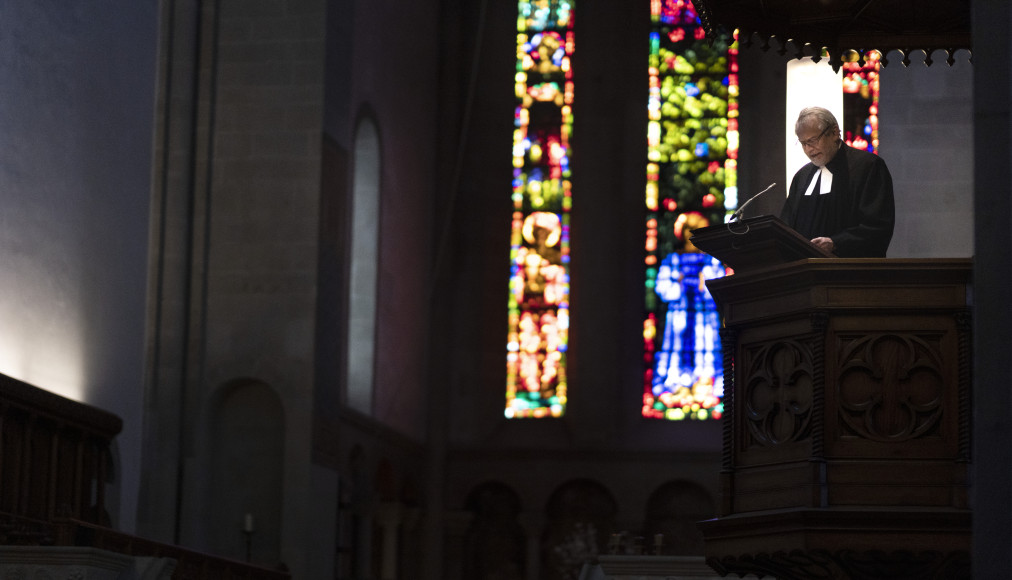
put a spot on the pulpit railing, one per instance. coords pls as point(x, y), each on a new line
point(55, 454)
point(56, 462)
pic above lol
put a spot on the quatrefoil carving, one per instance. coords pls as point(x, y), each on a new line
point(778, 395)
point(891, 387)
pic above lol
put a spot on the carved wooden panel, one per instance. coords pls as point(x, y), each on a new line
point(894, 386)
point(849, 414)
point(890, 386)
point(777, 398)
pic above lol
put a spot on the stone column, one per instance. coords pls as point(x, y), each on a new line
point(992, 318)
point(534, 526)
point(455, 525)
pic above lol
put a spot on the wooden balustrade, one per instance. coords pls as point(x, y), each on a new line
point(55, 464)
point(55, 457)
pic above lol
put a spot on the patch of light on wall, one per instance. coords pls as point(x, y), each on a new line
point(50, 362)
point(41, 329)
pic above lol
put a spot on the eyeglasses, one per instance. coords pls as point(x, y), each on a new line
point(811, 142)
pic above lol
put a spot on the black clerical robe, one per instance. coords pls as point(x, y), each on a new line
point(857, 213)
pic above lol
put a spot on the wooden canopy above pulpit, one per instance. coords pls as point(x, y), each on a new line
point(801, 28)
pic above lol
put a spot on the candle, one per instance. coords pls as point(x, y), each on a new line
point(248, 524)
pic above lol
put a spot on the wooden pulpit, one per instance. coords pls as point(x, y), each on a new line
point(846, 447)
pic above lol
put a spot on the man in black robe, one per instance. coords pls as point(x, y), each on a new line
point(843, 200)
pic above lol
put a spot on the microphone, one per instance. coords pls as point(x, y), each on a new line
point(736, 216)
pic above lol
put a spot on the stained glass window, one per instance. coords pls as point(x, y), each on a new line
point(542, 197)
point(860, 101)
point(692, 151)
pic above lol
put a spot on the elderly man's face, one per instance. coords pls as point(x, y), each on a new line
point(819, 143)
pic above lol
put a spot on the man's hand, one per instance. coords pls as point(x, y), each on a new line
point(824, 243)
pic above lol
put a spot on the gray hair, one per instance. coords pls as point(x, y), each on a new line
point(823, 117)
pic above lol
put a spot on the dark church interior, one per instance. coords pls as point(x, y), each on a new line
point(258, 312)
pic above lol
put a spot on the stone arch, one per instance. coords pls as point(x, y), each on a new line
point(495, 544)
point(581, 516)
point(673, 510)
point(246, 430)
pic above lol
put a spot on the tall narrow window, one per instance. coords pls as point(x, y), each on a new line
point(692, 151)
point(542, 195)
point(860, 101)
point(364, 262)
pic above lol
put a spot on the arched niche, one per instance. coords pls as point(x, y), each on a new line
point(246, 467)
